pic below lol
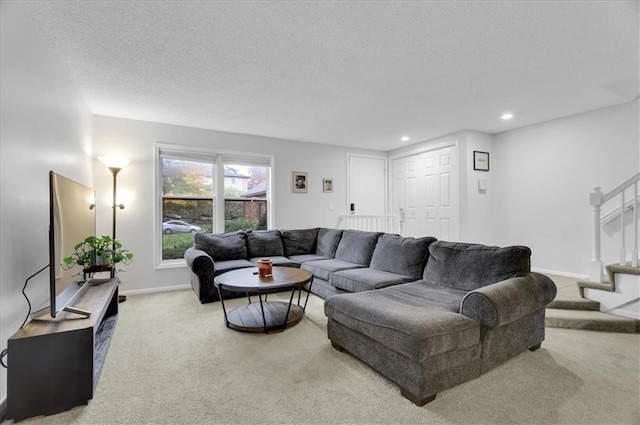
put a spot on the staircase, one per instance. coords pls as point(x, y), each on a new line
point(570, 311)
point(610, 303)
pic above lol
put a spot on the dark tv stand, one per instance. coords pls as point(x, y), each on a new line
point(55, 364)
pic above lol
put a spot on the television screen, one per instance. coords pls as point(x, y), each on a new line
point(72, 219)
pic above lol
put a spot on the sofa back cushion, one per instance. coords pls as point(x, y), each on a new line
point(357, 247)
point(264, 243)
point(299, 242)
point(471, 266)
point(222, 246)
point(401, 255)
point(327, 242)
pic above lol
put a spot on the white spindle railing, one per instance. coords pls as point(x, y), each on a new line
point(597, 199)
point(368, 222)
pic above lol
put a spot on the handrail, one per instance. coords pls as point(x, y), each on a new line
point(597, 199)
point(621, 187)
point(616, 211)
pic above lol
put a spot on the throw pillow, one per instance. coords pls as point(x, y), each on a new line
point(299, 242)
point(264, 243)
point(357, 247)
point(401, 255)
point(222, 246)
point(471, 266)
point(327, 242)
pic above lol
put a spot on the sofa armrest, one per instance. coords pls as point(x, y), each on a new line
point(199, 261)
point(509, 300)
point(202, 270)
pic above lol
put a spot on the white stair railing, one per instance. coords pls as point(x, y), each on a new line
point(367, 222)
point(597, 199)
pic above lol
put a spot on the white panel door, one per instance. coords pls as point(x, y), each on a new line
point(429, 183)
point(367, 184)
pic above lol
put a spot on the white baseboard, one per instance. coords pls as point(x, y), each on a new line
point(559, 273)
point(154, 290)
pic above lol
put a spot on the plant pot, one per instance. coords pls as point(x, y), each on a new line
point(98, 268)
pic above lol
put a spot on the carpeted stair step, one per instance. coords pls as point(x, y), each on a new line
point(574, 304)
point(590, 320)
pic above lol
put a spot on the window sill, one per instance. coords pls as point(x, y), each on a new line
point(171, 264)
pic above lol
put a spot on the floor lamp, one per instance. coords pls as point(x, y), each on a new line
point(115, 165)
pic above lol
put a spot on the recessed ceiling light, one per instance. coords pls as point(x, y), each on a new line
point(507, 116)
point(405, 138)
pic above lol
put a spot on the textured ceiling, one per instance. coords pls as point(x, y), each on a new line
point(359, 74)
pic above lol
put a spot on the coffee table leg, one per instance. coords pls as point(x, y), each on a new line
point(264, 319)
point(286, 316)
point(224, 310)
point(308, 292)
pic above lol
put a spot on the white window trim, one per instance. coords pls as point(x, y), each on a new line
point(218, 157)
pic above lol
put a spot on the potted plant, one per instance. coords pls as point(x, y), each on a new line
point(97, 254)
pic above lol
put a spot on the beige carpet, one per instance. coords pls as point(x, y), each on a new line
point(173, 362)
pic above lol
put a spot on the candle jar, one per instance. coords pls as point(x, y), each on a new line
point(265, 267)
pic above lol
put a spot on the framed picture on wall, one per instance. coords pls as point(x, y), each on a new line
point(327, 185)
point(300, 182)
point(481, 161)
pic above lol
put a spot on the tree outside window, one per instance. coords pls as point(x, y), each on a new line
point(189, 200)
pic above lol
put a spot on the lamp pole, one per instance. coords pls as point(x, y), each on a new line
point(115, 171)
point(115, 165)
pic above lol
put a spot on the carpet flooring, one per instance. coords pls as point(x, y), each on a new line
point(172, 361)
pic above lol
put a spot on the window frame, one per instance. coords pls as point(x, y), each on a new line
point(218, 157)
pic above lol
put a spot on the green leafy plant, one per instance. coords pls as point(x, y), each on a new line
point(94, 251)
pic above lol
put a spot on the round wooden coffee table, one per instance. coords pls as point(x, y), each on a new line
point(264, 316)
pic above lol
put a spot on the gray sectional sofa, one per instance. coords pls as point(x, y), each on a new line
point(427, 314)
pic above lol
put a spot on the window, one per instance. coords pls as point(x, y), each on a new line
point(200, 190)
point(188, 197)
point(245, 198)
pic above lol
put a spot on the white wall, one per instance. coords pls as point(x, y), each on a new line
point(543, 174)
point(476, 218)
point(136, 139)
point(45, 126)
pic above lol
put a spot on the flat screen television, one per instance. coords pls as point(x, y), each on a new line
point(72, 218)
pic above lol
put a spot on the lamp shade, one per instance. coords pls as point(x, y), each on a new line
point(114, 161)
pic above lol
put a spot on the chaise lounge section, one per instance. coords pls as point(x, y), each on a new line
point(475, 307)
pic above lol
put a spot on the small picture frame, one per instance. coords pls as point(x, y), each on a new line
point(480, 161)
point(327, 185)
point(300, 182)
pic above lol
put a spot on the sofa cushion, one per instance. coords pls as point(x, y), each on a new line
point(401, 255)
point(357, 247)
point(470, 266)
point(407, 328)
point(277, 261)
point(299, 242)
point(366, 279)
point(307, 257)
point(264, 243)
point(324, 268)
point(327, 242)
point(421, 293)
point(225, 266)
point(222, 246)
